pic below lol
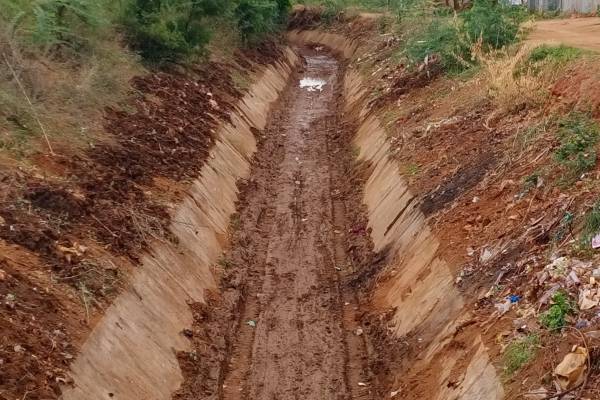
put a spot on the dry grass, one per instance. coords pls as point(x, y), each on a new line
point(68, 95)
point(512, 84)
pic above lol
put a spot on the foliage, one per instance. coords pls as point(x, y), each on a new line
point(256, 18)
point(578, 134)
point(520, 352)
point(443, 37)
point(168, 30)
point(494, 23)
point(171, 30)
point(556, 54)
point(591, 225)
point(51, 23)
point(555, 317)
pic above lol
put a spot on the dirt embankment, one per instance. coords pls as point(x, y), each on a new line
point(497, 199)
point(73, 226)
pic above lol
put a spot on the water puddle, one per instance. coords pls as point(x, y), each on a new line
point(312, 84)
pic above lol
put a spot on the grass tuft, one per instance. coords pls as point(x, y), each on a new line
point(520, 352)
point(555, 317)
point(591, 225)
point(557, 55)
point(578, 134)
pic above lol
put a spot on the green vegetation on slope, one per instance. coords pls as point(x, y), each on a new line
point(63, 61)
point(431, 28)
point(160, 30)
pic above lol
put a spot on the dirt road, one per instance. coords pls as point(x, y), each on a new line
point(576, 32)
point(289, 325)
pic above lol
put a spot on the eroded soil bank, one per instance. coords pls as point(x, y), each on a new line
point(284, 325)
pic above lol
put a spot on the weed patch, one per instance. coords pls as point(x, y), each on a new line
point(578, 134)
point(555, 317)
point(554, 54)
point(591, 225)
point(519, 352)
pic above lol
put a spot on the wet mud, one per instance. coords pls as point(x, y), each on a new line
point(285, 323)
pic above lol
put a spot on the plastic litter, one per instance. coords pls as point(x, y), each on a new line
point(596, 241)
point(312, 84)
point(571, 371)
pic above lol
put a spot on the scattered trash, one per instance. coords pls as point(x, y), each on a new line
point(589, 298)
point(3, 275)
point(394, 393)
point(486, 255)
point(549, 293)
point(465, 272)
point(312, 84)
point(359, 332)
point(514, 298)
point(10, 300)
point(573, 277)
point(571, 371)
point(596, 241)
point(362, 384)
point(18, 348)
point(503, 308)
point(470, 251)
point(475, 199)
point(582, 324)
point(558, 267)
point(251, 323)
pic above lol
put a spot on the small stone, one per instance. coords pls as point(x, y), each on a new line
point(359, 332)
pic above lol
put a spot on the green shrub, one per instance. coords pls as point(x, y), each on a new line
point(443, 37)
point(555, 317)
point(51, 23)
point(490, 23)
point(495, 23)
point(519, 352)
point(578, 134)
point(169, 30)
point(255, 19)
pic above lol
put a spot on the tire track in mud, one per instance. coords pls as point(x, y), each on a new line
point(289, 323)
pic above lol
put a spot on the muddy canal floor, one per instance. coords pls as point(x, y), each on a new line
point(285, 323)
